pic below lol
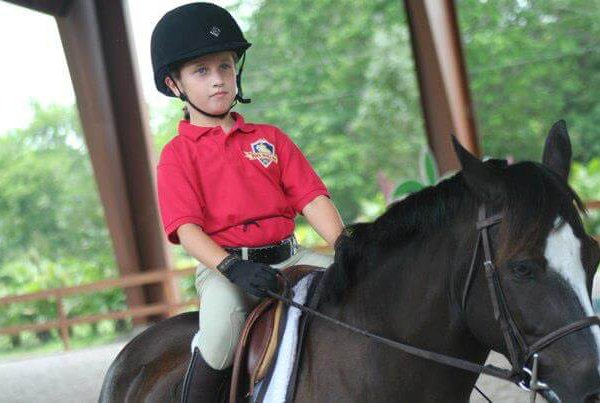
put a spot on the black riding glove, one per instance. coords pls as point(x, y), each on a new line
point(254, 278)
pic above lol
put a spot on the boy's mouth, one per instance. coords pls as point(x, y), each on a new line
point(219, 94)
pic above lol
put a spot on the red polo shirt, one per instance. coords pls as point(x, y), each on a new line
point(243, 188)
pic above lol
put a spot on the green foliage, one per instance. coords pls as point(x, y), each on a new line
point(428, 173)
point(49, 206)
point(429, 168)
point(372, 208)
point(531, 63)
point(341, 83)
point(407, 187)
point(164, 124)
point(585, 179)
point(307, 236)
point(53, 228)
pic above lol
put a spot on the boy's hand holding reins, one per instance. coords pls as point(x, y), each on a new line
point(254, 278)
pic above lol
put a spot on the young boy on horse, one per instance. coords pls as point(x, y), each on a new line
point(228, 190)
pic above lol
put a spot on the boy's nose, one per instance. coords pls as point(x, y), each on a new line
point(218, 80)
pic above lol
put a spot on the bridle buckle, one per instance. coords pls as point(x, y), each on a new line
point(532, 383)
point(489, 266)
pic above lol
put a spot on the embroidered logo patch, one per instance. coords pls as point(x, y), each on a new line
point(263, 151)
point(215, 31)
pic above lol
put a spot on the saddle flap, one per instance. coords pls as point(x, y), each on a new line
point(263, 342)
point(258, 342)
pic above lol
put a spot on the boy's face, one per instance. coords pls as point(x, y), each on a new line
point(208, 81)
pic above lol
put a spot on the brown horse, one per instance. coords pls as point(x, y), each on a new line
point(403, 277)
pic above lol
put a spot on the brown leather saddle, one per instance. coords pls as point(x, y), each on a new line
point(260, 338)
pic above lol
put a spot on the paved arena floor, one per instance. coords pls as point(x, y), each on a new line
point(67, 377)
point(76, 377)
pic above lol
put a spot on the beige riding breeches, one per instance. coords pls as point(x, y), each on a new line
point(224, 306)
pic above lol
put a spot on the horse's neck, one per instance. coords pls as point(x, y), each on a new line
point(411, 296)
point(410, 287)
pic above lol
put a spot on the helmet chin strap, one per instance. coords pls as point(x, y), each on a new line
point(184, 98)
point(238, 79)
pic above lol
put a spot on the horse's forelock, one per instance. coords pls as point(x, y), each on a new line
point(535, 196)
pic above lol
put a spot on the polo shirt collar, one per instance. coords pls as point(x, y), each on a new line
point(195, 132)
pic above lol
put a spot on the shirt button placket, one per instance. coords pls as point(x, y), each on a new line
point(230, 149)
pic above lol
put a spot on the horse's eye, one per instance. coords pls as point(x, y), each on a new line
point(524, 269)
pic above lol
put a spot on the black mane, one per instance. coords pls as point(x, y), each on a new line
point(533, 197)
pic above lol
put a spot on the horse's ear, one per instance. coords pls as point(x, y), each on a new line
point(557, 151)
point(484, 180)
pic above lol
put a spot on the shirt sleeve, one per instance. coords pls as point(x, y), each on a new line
point(179, 197)
point(300, 182)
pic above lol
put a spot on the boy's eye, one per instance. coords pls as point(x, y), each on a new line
point(201, 70)
point(225, 66)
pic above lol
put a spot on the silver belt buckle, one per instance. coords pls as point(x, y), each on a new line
point(293, 246)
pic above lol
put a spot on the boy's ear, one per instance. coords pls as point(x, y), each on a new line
point(484, 180)
point(557, 151)
point(169, 83)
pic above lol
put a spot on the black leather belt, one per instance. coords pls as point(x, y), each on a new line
point(270, 254)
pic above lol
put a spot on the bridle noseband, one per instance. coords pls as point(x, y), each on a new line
point(520, 353)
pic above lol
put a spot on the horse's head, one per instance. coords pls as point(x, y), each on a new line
point(545, 263)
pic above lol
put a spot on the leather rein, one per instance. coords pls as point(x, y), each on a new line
point(520, 353)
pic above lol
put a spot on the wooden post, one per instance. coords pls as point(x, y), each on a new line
point(442, 77)
point(62, 320)
point(98, 49)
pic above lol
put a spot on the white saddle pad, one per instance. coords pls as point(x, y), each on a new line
point(284, 363)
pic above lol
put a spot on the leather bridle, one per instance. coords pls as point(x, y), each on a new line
point(520, 353)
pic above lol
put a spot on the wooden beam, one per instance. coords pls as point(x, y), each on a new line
point(135, 141)
point(142, 311)
point(442, 77)
point(51, 7)
point(593, 205)
point(99, 55)
point(132, 280)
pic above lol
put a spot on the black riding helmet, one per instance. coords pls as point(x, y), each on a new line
point(190, 31)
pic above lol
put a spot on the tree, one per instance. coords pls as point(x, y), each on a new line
point(53, 228)
point(340, 81)
point(531, 63)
